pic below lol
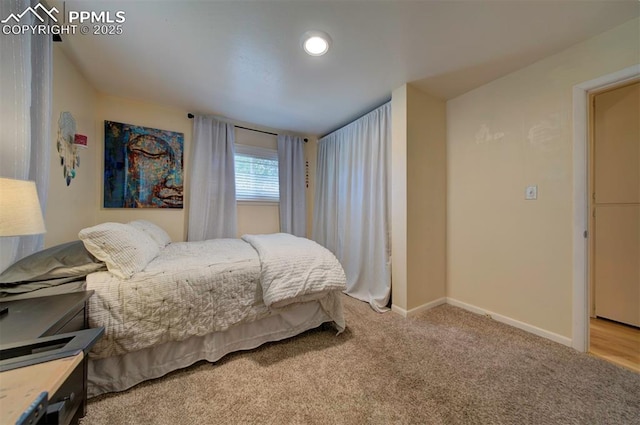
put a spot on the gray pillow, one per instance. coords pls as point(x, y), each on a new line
point(10, 294)
point(59, 264)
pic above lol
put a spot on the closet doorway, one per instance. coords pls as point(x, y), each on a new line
point(614, 224)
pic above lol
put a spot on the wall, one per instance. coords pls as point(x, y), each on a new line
point(112, 108)
point(70, 208)
point(504, 254)
point(398, 195)
point(418, 199)
point(426, 198)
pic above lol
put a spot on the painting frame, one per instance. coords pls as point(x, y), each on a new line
point(143, 167)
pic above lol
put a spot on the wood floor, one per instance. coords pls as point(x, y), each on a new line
point(615, 342)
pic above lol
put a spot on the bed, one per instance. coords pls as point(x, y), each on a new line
point(167, 305)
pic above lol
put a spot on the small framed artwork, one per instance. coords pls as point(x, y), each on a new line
point(142, 167)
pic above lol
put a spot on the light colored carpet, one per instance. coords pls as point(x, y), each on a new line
point(444, 366)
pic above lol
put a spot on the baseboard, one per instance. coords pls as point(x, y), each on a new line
point(408, 313)
point(512, 322)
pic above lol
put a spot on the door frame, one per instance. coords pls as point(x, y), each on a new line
point(580, 316)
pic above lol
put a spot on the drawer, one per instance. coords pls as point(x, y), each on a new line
point(70, 397)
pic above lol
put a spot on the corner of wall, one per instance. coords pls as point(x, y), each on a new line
point(398, 196)
point(70, 208)
point(418, 199)
point(426, 198)
point(147, 114)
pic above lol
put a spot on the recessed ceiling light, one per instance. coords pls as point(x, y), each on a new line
point(316, 43)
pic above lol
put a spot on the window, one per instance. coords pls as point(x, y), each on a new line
point(256, 174)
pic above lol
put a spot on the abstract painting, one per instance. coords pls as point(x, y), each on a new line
point(142, 167)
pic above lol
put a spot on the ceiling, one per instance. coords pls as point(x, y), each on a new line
point(243, 60)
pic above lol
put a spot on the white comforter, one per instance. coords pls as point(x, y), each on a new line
point(190, 289)
point(295, 269)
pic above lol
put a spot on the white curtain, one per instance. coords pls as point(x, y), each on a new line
point(25, 118)
point(293, 204)
point(212, 206)
point(351, 208)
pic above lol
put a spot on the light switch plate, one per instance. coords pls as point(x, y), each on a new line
point(531, 192)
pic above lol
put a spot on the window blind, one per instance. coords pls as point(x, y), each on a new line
point(256, 174)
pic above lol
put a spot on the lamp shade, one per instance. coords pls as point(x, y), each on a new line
point(20, 212)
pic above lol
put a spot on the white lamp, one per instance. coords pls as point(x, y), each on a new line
point(20, 212)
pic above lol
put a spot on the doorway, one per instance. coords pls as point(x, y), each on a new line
point(580, 304)
point(614, 224)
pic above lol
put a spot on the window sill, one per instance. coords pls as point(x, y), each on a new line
point(259, 203)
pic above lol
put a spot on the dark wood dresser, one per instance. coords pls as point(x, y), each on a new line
point(33, 318)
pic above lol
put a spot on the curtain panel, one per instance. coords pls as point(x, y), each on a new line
point(25, 118)
point(212, 186)
point(351, 208)
point(291, 171)
point(41, 138)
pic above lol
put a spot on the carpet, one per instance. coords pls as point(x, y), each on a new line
point(442, 366)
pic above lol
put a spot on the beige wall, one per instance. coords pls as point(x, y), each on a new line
point(426, 198)
point(398, 195)
point(504, 254)
point(70, 208)
point(112, 108)
point(418, 198)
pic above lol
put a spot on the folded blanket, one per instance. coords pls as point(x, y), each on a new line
point(295, 269)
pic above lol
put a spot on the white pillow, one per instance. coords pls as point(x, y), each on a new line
point(125, 249)
point(156, 232)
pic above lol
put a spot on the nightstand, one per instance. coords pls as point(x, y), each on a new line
point(33, 318)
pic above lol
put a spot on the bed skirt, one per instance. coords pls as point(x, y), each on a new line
point(122, 372)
